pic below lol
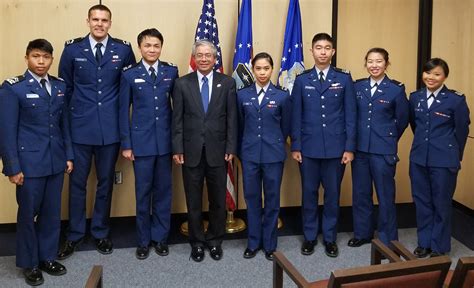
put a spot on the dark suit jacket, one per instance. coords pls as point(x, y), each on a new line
point(192, 128)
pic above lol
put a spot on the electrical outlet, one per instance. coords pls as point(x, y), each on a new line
point(118, 177)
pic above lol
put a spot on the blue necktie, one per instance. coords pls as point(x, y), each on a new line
point(98, 52)
point(152, 74)
point(43, 85)
point(205, 93)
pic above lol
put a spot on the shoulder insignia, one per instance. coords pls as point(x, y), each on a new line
point(398, 83)
point(342, 70)
point(14, 80)
point(305, 72)
point(69, 42)
point(56, 78)
point(127, 67)
point(361, 79)
point(281, 88)
point(167, 64)
point(122, 41)
point(457, 93)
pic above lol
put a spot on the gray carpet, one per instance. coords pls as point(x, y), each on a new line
point(122, 269)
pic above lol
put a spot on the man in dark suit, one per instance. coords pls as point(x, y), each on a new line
point(204, 138)
point(91, 67)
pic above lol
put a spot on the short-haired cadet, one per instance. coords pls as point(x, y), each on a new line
point(382, 117)
point(439, 118)
point(145, 134)
point(36, 151)
point(323, 140)
point(91, 67)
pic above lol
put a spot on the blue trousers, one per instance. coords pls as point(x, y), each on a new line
point(104, 158)
point(368, 169)
point(153, 193)
point(262, 223)
point(432, 189)
point(315, 172)
point(38, 240)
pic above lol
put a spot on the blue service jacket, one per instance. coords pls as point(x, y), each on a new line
point(93, 89)
point(147, 131)
point(381, 118)
point(34, 128)
point(324, 116)
point(440, 131)
point(263, 128)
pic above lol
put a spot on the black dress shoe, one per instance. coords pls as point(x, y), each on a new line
point(33, 277)
point(197, 253)
point(216, 252)
point(104, 246)
point(249, 253)
point(68, 249)
point(142, 252)
point(161, 249)
point(52, 268)
point(421, 252)
point(308, 247)
point(436, 254)
point(269, 255)
point(354, 242)
point(331, 249)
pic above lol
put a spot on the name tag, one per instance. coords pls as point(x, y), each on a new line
point(309, 87)
point(60, 94)
point(246, 103)
point(80, 59)
point(442, 114)
point(138, 80)
point(31, 96)
point(169, 79)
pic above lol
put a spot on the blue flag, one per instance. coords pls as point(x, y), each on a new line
point(243, 47)
point(292, 58)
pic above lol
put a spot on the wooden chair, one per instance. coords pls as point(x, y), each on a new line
point(95, 278)
point(429, 273)
point(463, 275)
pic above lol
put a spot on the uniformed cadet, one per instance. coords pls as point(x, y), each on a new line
point(323, 140)
point(382, 117)
point(264, 124)
point(91, 67)
point(439, 118)
point(145, 135)
point(36, 151)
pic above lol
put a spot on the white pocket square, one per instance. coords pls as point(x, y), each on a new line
point(218, 85)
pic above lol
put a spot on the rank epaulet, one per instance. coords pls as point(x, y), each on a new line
point(167, 64)
point(122, 41)
point(69, 42)
point(128, 67)
point(397, 82)
point(15, 80)
point(306, 71)
point(361, 79)
point(342, 70)
point(457, 93)
point(56, 78)
point(281, 88)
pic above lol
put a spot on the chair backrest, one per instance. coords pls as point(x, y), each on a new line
point(95, 278)
point(429, 273)
point(463, 275)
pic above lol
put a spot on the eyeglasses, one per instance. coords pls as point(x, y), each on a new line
point(202, 56)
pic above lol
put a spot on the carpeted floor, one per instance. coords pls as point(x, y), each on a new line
point(122, 269)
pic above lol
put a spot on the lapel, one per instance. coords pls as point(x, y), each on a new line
point(253, 96)
point(216, 90)
point(161, 72)
point(86, 50)
point(268, 95)
point(142, 73)
point(195, 92)
point(109, 51)
point(422, 99)
point(35, 88)
point(366, 89)
point(313, 80)
point(440, 99)
point(330, 79)
point(381, 88)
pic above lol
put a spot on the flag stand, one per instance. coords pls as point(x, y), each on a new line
point(280, 223)
point(234, 225)
point(184, 227)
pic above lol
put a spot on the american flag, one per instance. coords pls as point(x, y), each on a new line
point(207, 29)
